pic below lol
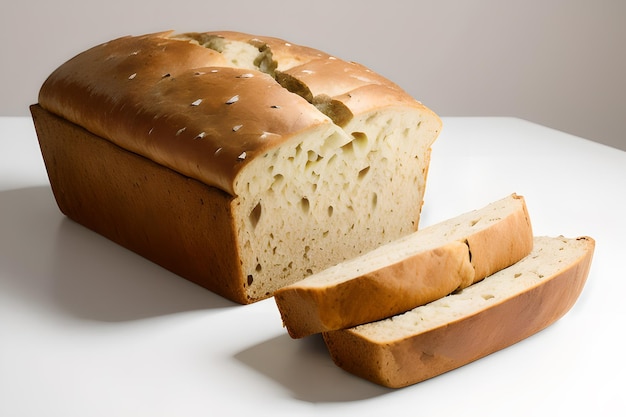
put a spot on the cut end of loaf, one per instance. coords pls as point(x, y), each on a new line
point(334, 194)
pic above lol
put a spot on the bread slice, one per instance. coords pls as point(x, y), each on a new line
point(243, 163)
point(483, 318)
point(410, 271)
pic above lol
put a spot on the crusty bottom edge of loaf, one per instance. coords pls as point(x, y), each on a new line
point(400, 354)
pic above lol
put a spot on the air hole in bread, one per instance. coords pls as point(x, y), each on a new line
point(332, 143)
point(331, 161)
point(278, 180)
point(312, 156)
point(374, 201)
point(360, 141)
point(358, 146)
point(305, 205)
point(298, 151)
point(363, 173)
point(312, 159)
point(348, 150)
point(255, 215)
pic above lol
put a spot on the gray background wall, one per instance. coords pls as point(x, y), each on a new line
point(554, 62)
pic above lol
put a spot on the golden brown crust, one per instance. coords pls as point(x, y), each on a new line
point(183, 106)
point(334, 77)
point(178, 104)
point(376, 295)
point(130, 202)
point(423, 355)
point(502, 244)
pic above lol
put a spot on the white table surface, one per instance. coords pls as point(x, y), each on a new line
point(90, 329)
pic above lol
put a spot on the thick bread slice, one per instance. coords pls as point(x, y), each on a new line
point(497, 312)
point(297, 181)
point(410, 271)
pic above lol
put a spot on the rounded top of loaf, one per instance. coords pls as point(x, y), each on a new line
point(206, 104)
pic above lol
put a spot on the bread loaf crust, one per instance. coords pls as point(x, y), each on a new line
point(471, 247)
point(184, 106)
point(414, 356)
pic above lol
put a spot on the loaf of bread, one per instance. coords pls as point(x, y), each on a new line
point(239, 162)
point(418, 268)
point(485, 317)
